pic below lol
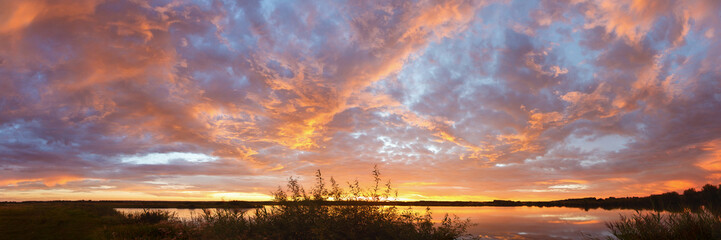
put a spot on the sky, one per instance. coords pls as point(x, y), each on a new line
point(452, 100)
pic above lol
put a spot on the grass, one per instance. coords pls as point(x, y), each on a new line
point(72, 220)
point(327, 222)
point(302, 215)
point(700, 224)
point(151, 216)
point(55, 221)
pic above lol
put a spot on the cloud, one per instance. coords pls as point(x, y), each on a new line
point(209, 99)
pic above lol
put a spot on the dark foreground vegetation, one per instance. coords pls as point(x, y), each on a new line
point(297, 215)
point(70, 220)
point(691, 215)
point(701, 224)
point(303, 215)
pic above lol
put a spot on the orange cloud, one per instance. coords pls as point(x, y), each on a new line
point(711, 159)
point(19, 15)
point(16, 15)
point(47, 181)
point(676, 185)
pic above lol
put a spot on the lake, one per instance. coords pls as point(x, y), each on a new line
point(504, 222)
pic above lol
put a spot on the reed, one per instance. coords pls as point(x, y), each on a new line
point(700, 224)
point(305, 215)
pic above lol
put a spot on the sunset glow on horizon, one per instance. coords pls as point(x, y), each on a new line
point(194, 100)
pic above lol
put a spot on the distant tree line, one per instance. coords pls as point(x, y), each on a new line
point(378, 195)
point(709, 197)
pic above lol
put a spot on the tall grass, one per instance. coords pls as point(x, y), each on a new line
point(55, 221)
point(150, 224)
point(301, 214)
point(306, 215)
point(701, 224)
point(151, 216)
